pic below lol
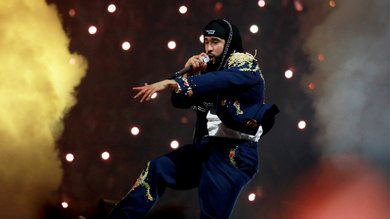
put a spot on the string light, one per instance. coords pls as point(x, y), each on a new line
point(111, 8)
point(126, 45)
point(251, 197)
point(288, 73)
point(298, 6)
point(184, 120)
point(311, 86)
point(69, 157)
point(72, 12)
point(92, 30)
point(174, 144)
point(134, 130)
point(64, 205)
point(261, 3)
point(301, 124)
point(218, 7)
point(172, 44)
point(320, 57)
point(183, 9)
point(154, 95)
point(201, 38)
point(332, 3)
point(254, 28)
point(105, 155)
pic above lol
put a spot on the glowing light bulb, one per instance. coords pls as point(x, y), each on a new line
point(183, 9)
point(184, 120)
point(252, 197)
point(301, 124)
point(254, 28)
point(311, 86)
point(105, 155)
point(111, 8)
point(288, 74)
point(92, 30)
point(171, 44)
point(126, 45)
point(218, 7)
point(134, 130)
point(174, 144)
point(64, 204)
point(321, 57)
point(298, 6)
point(201, 38)
point(72, 12)
point(261, 3)
point(69, 157)
point(332, 3)
point(154, 95)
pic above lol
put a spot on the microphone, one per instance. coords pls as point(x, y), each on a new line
point(185, 70)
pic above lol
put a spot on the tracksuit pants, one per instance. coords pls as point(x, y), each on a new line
point(219, 167)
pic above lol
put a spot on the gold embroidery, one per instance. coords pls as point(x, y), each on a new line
point(251, 123)
point(236, 104)
point(232, 156)
point(141, 181)
point(244, 61)
point(187, 84)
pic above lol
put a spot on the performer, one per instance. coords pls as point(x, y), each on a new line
point(227, 94)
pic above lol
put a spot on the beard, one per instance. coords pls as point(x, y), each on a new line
point(213, 64)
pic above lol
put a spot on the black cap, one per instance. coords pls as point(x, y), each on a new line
point(225, 30)
point(215, 29)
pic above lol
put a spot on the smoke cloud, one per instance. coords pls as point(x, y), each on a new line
point(37, 80)
point(352, 83)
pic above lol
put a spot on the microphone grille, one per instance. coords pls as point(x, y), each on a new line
point(206, 59)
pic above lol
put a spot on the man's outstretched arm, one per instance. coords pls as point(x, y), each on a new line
point(145, 92)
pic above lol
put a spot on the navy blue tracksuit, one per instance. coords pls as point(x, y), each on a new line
point(222, 159)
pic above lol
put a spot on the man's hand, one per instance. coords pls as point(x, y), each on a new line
point(196, 62)
point(145, 92)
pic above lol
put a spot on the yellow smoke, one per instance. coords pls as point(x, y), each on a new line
point(37, 81)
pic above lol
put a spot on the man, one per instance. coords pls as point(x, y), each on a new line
point(228, 97)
